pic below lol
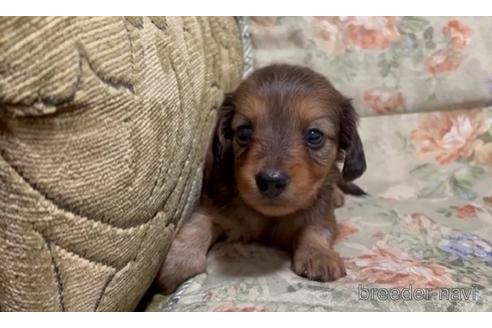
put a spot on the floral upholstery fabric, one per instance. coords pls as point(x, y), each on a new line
point(425, 231)
point(427, 226)
point(387, 64)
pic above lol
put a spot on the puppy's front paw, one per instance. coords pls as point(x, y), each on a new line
point(179, 266)
point(319, 265)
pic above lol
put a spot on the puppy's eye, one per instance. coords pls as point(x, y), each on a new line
point(314, 138)
point(244, 133)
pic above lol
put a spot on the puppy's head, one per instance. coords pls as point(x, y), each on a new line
point(283, 132)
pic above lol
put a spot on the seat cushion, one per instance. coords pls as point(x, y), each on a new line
point(421, 240)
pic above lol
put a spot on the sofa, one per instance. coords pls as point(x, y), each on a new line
point(104, 126)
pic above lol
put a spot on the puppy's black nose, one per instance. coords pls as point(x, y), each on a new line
point(272, 182)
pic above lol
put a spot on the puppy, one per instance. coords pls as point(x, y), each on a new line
point(271, 174)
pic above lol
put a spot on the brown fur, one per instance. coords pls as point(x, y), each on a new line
point(280, 103)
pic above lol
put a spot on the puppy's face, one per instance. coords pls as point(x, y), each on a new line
point(285, 136)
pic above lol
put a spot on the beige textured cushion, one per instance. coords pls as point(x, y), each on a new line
point(104, 124)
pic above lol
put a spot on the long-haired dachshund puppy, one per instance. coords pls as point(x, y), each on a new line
point(272, 174)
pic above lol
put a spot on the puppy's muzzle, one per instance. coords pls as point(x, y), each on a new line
point(272, 182)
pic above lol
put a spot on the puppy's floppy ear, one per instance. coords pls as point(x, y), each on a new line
point(222, 139)
point(219, 166)
point(354, 163)
point(218, 172)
